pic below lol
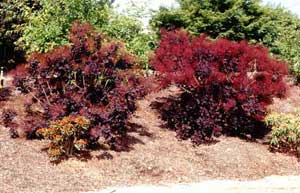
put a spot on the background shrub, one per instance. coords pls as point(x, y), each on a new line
point(227, 86)
point(48, 27)
point(89, 78)
point(130, 30)
point(235, 19)
point(288, 49)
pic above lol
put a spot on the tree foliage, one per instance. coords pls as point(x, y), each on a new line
point(48, 27)
point(129, 29)
point(233, 19)
point(14, 14)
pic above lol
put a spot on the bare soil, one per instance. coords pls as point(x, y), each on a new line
point(154, 156)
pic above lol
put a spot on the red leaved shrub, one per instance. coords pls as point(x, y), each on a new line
point(88, 78)
point(227, 86)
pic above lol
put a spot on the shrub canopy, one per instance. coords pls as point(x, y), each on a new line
point(237, 20)
point(88, 78)
point(227, 86)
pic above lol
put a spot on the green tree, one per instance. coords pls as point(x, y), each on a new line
point(287, 47)
point(14, 14)
point(48, 27)
point(232, 19)
point(128, 27)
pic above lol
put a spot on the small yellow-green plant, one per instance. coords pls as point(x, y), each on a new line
point(66, 135)
point(285, 132)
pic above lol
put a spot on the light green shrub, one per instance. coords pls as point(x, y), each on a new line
point(285, 136)
point(48, 27)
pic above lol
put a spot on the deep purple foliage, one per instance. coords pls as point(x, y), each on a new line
point(5, 93)
point(90, 78)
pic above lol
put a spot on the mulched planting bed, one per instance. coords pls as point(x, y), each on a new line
point(152, 157)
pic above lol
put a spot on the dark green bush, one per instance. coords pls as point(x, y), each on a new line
point(14, 14)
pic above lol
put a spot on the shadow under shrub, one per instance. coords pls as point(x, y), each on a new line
point(5, 93)
point(226, 86)
point(89, 78)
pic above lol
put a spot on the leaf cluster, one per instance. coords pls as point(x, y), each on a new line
point(14, 15)
point(66, 136)
point(285, 136)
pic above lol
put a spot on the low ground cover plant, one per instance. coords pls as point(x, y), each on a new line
point(90, 78)
point(226, 86)
point(285, 136)
point(66, 136)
